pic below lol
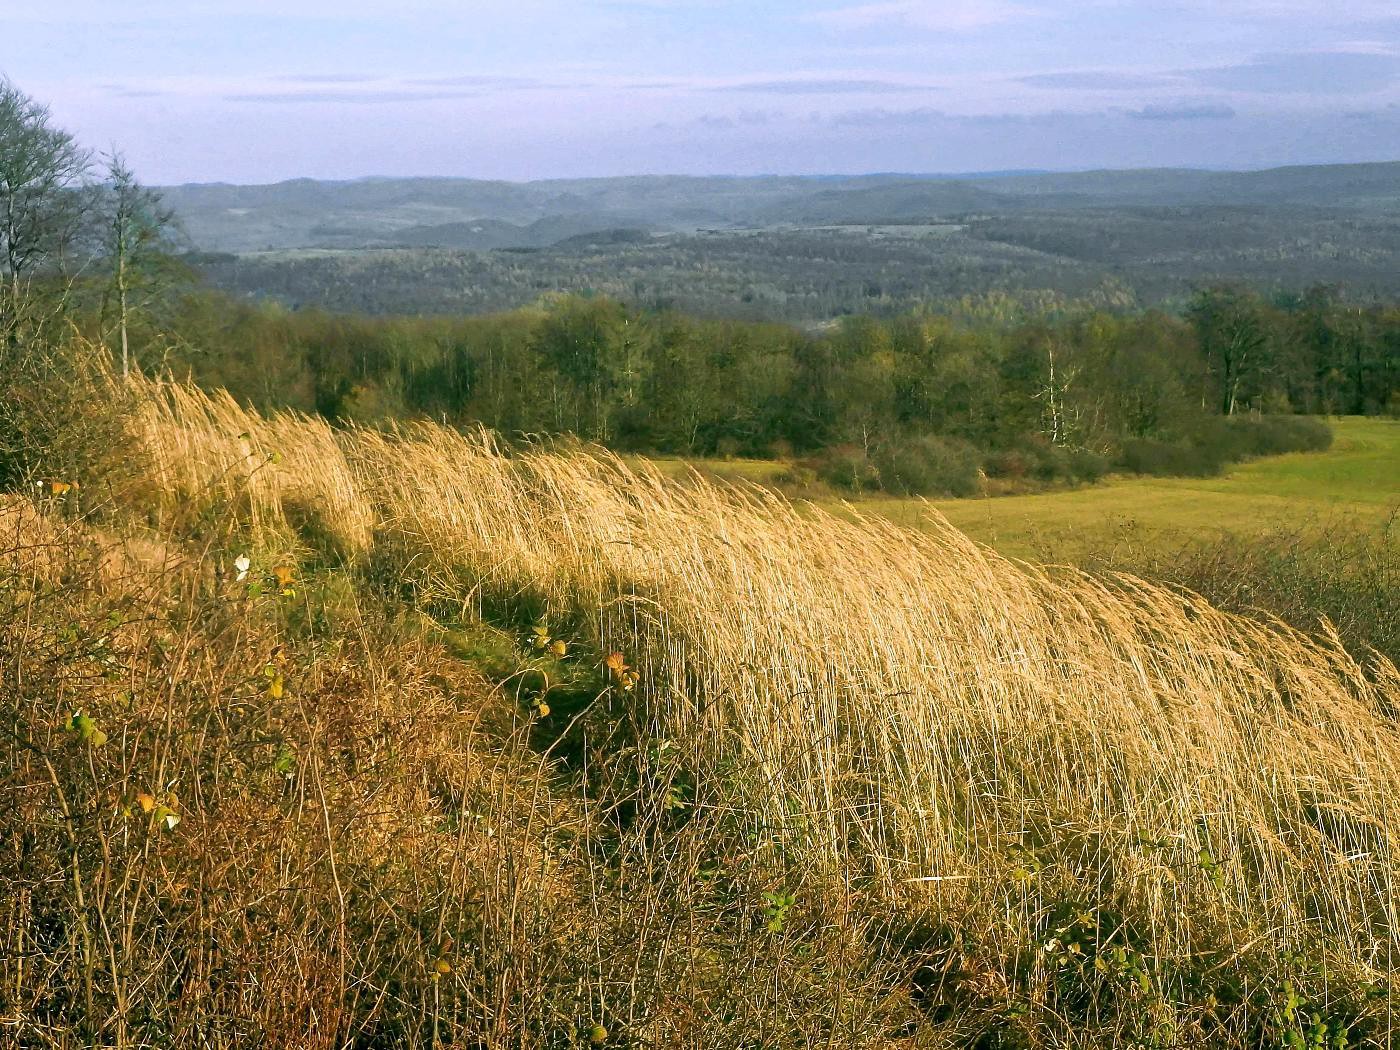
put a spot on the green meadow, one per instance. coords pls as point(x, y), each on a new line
point(1355, 484)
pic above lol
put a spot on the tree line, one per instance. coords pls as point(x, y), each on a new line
point(1061, 398)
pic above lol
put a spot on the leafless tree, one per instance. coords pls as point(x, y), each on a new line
point(43, 203)
point(135, 225)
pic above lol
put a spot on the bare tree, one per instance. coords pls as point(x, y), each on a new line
point(42, 205)
point(135, 227)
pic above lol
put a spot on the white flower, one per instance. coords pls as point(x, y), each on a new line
point(242, 563)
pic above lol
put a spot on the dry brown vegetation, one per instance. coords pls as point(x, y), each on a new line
point(869, 787)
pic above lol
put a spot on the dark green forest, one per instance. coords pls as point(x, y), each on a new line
point(919, 403)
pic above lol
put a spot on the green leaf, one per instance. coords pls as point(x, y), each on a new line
point(285, 762)
point(85, 729)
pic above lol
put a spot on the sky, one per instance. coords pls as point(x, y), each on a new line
point(263, 90)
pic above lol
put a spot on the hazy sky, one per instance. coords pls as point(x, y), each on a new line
point(260, 90)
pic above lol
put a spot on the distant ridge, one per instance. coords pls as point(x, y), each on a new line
point(474, 214)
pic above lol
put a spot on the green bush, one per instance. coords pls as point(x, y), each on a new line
point(1217, 441)
point(920, 466)
point(1275, 435)
point(846, 467)
point(929, 466)
point(1012, 464)
point(59, 415)
point(1161, 458)
point(1087, 465)
point(1042, 461)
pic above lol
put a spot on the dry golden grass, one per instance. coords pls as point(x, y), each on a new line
point(1105, 808)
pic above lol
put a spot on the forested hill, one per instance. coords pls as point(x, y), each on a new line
point(801, 250)
point(446, 212)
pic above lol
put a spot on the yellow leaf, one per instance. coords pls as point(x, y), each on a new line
point(542, 709)
point(285, 574)
point(276, 687)
point(146, 801)
point(559, 648)
point(616, 663)
point(442, 967)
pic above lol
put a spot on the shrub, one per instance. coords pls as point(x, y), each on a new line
point(59, 415)
point(847, 467)
point(1010, 463)
point(929, 466)
point(1145, 456)
point(1276, 435)
point(1216, 441)
point(1298, 575)
point(1045, 462)
point(1087, 465)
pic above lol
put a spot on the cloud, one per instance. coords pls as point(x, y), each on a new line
point(927, 117)
point(931, 15)
point(825, 87)
point(1097, 80)
point(1184, 111)
point(341, 97)
point(417, 89)
point(1349, 11)
point(1306, 72)
point(885, 118)
point(329, 78)
point(126, 91)
point(105, 12)
point(476, 80)
point(726, 121)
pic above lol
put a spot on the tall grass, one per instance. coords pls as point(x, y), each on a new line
point(1312, 569)
point(1101, 809)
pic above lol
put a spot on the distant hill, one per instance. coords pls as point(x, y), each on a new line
point(1359, 186)
point(472, 214)
point(913, 201)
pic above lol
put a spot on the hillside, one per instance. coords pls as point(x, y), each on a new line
point(395, 737)
point(794, 249)
point(304, 213)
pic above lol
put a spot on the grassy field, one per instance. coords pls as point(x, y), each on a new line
point(1355, 483)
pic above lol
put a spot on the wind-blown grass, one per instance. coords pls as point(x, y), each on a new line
point(1097, 808)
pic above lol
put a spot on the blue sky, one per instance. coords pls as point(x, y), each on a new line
point(259, 90)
